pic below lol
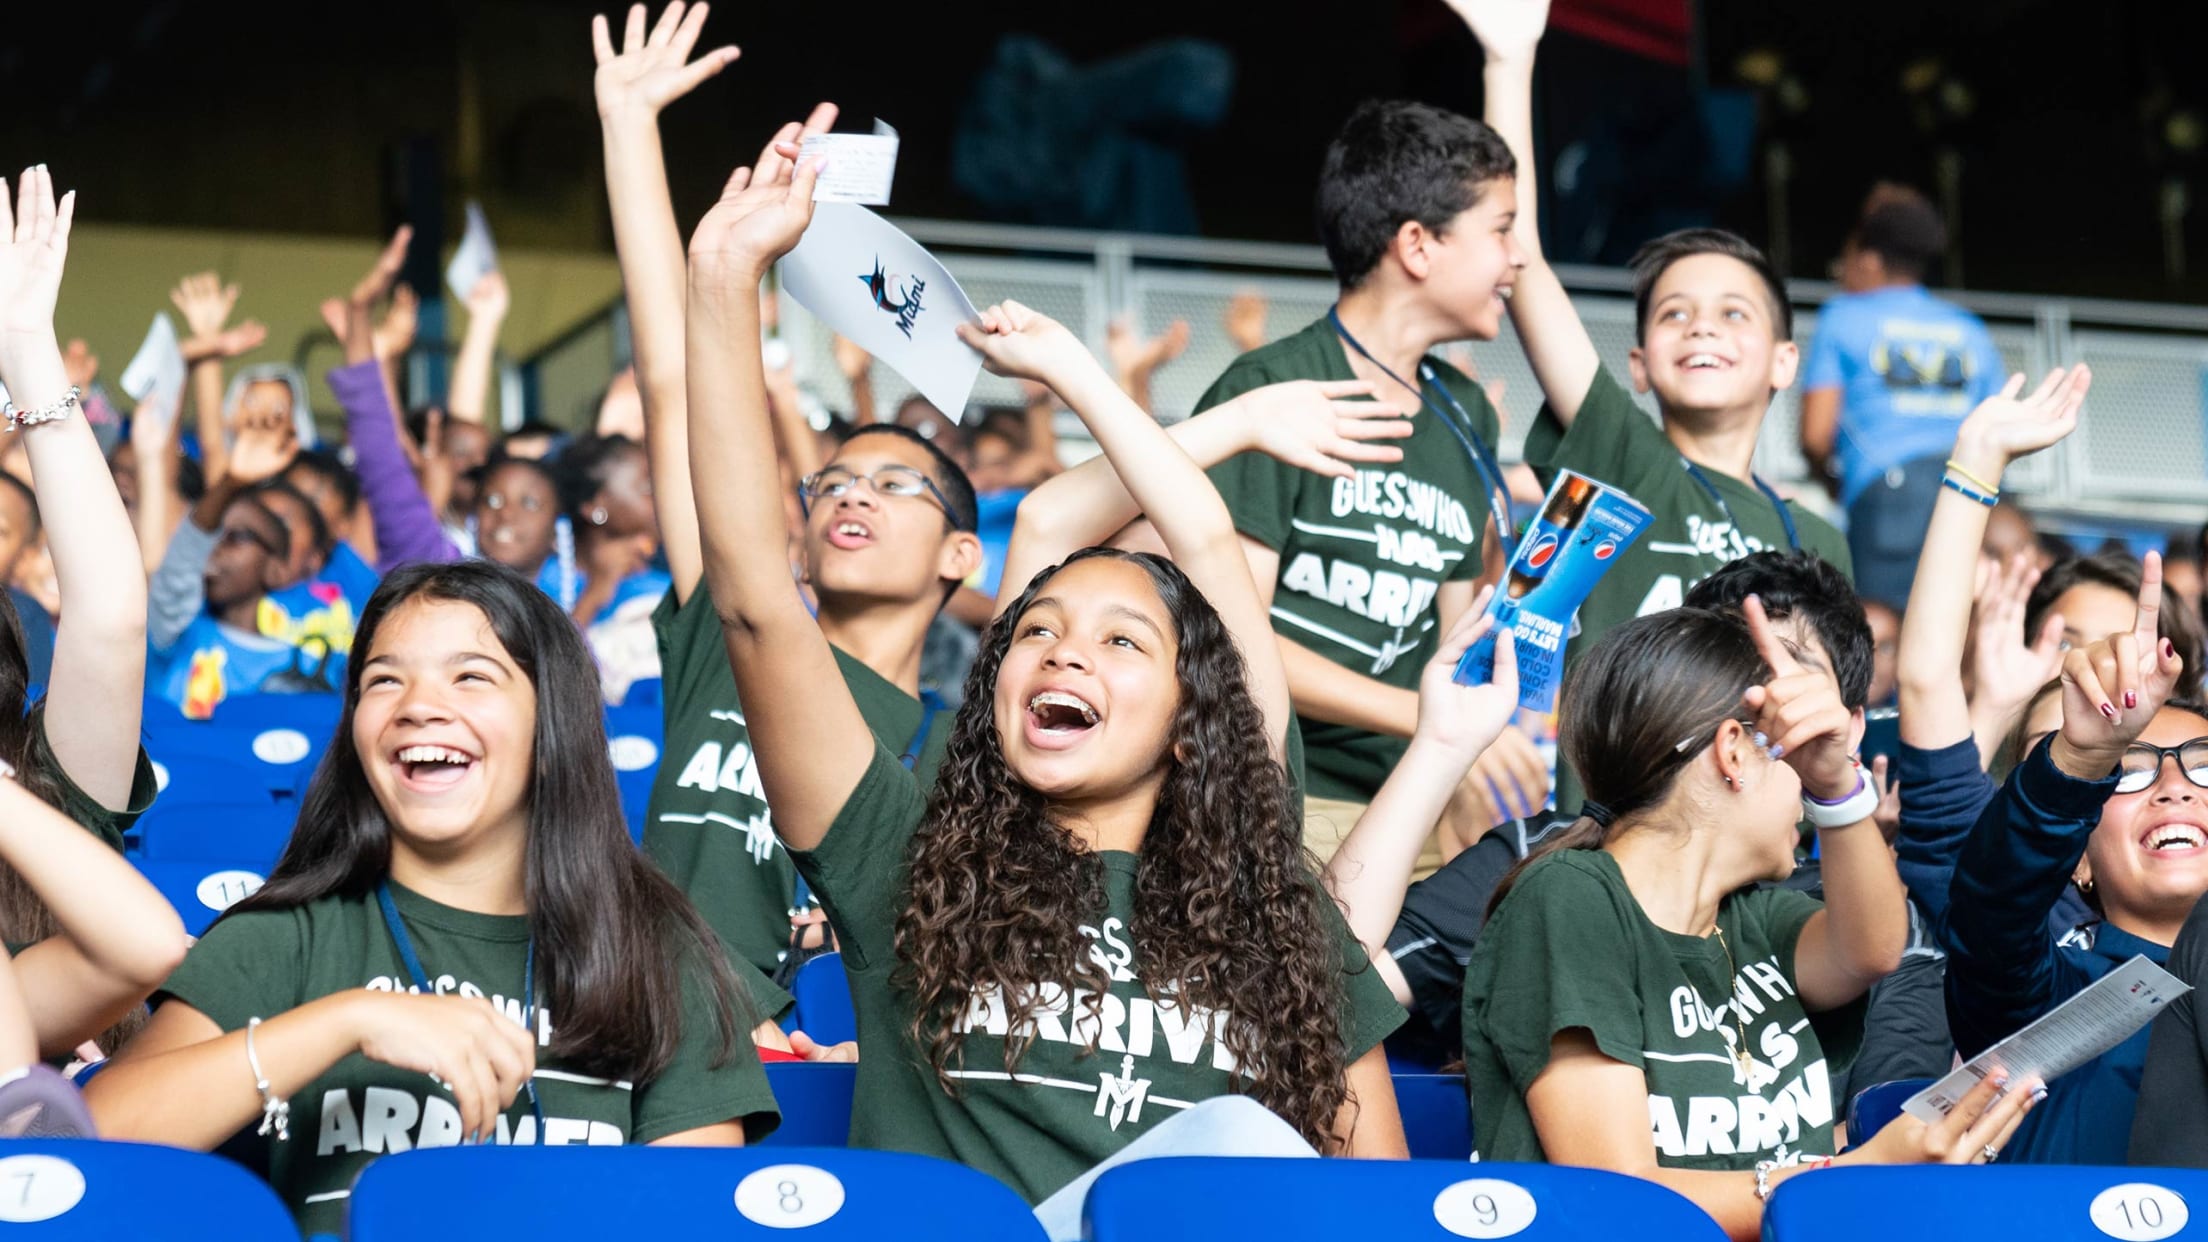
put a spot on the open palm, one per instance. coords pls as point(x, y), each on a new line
point(2017, 425)
point(34, 247)
point(649, 72)
point(756, 221)
point(1506, 28)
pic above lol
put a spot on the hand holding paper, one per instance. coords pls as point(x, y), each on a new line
point(1022, 343)
point(859, 167)
point(1468, 719)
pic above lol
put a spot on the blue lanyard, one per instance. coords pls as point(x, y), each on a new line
point(1786, 519)
point(413, 964)
point(1483, 460)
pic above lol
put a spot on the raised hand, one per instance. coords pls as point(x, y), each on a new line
point(1132, 356)
point(372, 287)
point(1024, 344)
point(2112, 689)
point(2009, 425)
point(1507, 29)
point(1326, 428)
point(1888, 814)
point(401, 322)
point(649, 72)
point(489, 299)
point(265, 447)
point(205, 302)
point(2007, 669)
point(1245, 320)
point(764, 209)
point(34, 247)
point(1799, 713)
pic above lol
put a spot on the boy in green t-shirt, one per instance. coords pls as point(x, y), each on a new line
point(1713, 342)
point(1364, 575)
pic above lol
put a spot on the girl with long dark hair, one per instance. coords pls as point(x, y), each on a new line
point(1637, 1002)
point(1102, 915)
point(100, 937)
point(460, 941)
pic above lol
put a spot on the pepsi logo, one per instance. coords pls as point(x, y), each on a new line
point(1543, 551)
point(1606, 549)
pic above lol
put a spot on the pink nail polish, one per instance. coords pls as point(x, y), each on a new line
point(2108, 711)
point(2131, 699)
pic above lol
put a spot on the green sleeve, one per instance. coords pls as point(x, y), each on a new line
point(1776, 916)
point(1489, 427)
point(700, 1087)
point(858, 870)
point(683, 630)
point(1554, 958)
point(248, 965)
point(1260, 491)
point(768, 1001)
point(1611, 441)
point(1370, 1012)
point(106, 824)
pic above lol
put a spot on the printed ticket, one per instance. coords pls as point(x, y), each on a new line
point(860, 166)
point(2072, 1033)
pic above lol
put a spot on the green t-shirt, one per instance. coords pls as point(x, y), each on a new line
point(1690, 535)
point(1360, 559)
point(707, 825)
point(1571, 948)
point(107, 825)
point(1070, 1108)
point(262, 963)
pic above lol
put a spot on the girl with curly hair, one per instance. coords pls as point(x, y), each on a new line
point(1102, 915)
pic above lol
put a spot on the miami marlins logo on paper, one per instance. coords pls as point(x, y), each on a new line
point(895, 294)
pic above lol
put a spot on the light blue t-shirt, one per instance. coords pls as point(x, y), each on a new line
point(211, 661)
point(1909, 367)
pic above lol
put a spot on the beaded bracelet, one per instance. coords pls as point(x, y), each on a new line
point(17, 418)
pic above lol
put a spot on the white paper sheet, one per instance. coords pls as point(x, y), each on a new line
point(860, 166)
point(476, 256)
point(864, 278)
point(157, 371)
point(2072, 1033)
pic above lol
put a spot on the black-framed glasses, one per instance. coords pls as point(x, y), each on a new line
point(2142, 764)
point(899, 481)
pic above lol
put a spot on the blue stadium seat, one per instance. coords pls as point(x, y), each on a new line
point(315, 715)
point(645, 692)
point(1171, 1198)
point(202, 890)
point(1437, 1115)
point(634, 737)
point(815, 1098)
point(1992, 1203)
point(243, 833)
point(78, 1189)
point(824, 1001)
point(730, 1194)
point(1878, 1104)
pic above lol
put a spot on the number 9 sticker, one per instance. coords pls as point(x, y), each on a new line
point(789, 1196)
point(1484, 1207)
point(2139, 1212)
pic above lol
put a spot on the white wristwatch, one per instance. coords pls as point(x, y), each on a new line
point(1853, 809)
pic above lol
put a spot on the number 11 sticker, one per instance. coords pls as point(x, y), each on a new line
point(1484, 1207)
point(2139, 1212)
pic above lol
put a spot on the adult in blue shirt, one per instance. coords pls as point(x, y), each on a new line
point(1890, 375)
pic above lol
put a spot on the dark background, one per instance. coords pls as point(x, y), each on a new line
point(292, 118)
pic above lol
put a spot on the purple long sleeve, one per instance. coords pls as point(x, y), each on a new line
point(407, 529)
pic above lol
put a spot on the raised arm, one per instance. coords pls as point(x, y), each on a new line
point(205, 302)
point(1556, 342)
point(1934, 711)
point(1320, 427)
point(99, 678)
point(651, 71)
point(468, 397)
point(811, 744)
point(1163, 482)
point(1371, 872)
point(118, 938)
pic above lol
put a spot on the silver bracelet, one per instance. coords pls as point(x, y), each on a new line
point(275, 1110)
point(1764, 1169)
point(18, 418)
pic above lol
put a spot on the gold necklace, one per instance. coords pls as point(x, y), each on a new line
point(1741, 1055)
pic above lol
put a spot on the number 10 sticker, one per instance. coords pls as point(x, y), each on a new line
point(2139, 1212)
point(789, 1196)
point(1484, 1207)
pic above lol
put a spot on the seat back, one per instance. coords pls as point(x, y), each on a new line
point(815, 1099)
point(1437, 1115)
point(1990, 1203)
point(249, 832)
point(1878, 1104)
point(731, 1194)
point(635, 735)
point(823, 995)
point(80, 1190)
point(201, 891)
point(1402, 1200)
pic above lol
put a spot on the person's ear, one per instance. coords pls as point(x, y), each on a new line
point(1412, 249)
point(1856, 727)
point(1636, 364)
point(1730, 753)
point(1786, 362)
point(961, 557)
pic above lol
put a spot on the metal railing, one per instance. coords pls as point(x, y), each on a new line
point(2141, 454)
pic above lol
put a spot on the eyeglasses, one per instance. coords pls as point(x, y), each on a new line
point(901, 481)
point(2142, 764)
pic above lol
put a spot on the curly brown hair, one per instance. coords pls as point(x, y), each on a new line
point(1227, 915)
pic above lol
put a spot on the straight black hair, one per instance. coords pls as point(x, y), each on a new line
point(1394, 161)
point(1806, 585)
point(1654, 259)
point(334, 472)
point(947, 473)
point(614, 935)
point(2117, 571)
point(318, 527)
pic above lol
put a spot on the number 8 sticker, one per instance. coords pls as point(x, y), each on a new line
point(1484, 1207)
point(789, 1196)
point(2139, 1212)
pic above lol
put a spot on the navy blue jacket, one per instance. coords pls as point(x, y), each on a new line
point(2003, 971)
point(1943, 792)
